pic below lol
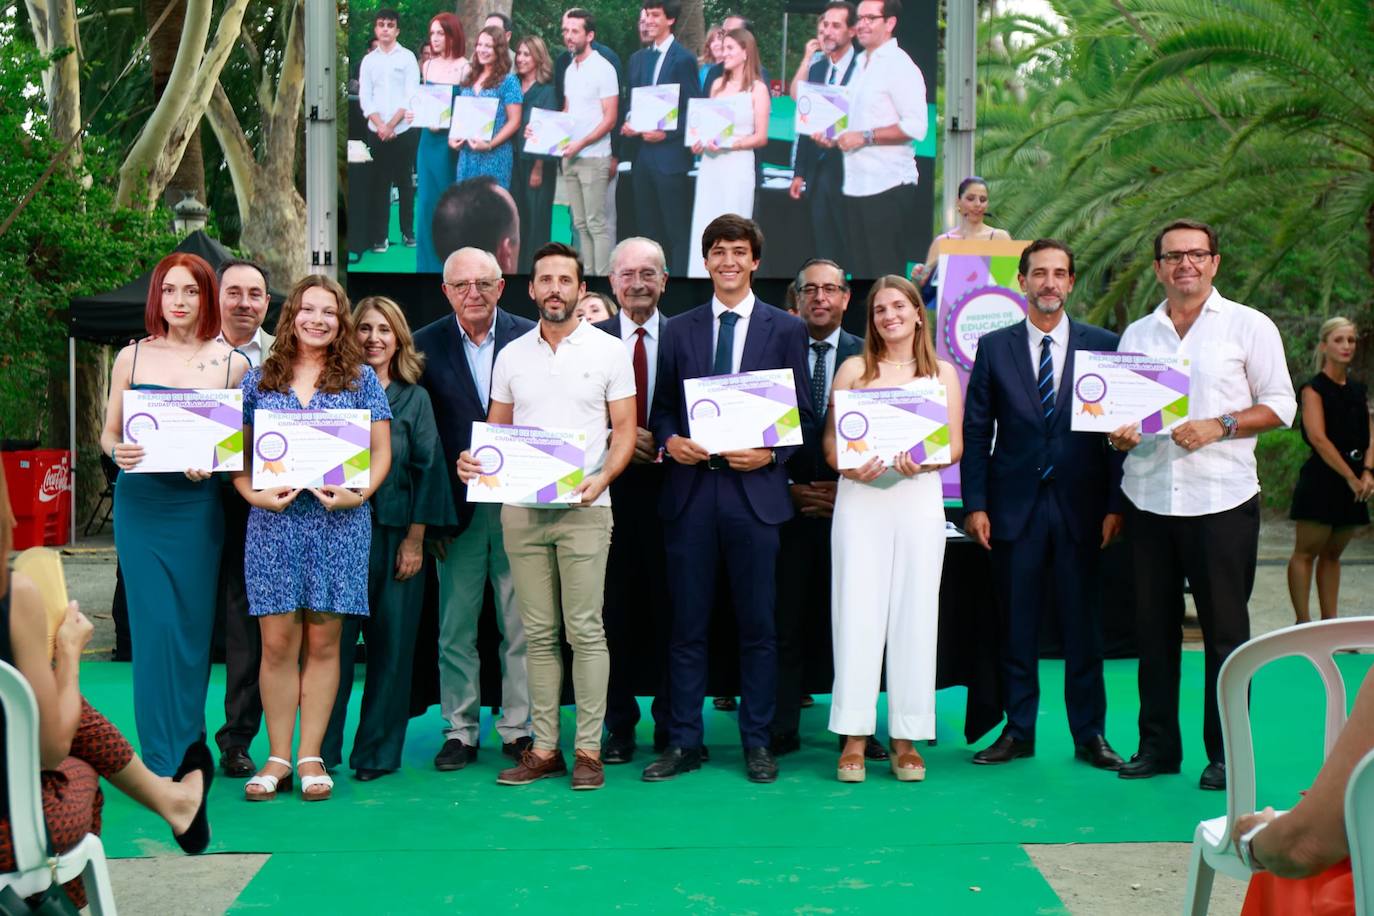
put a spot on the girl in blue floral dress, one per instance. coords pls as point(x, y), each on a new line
point(306, 559)
point(489, 77)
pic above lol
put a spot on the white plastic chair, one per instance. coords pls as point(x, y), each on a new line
point(1359, 832)
point(1318, 642)
point(34, 871)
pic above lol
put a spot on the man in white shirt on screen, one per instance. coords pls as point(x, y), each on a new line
point(387, 81)
point(592, 92)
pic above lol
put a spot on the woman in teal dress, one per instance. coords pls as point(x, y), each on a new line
point(436, 163)
point(169, 527)
point(489, 76)
point(305, 562)
point(535, 176)
point(414, 501)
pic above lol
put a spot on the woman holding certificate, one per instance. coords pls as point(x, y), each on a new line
point(725, 174)
point(169, 527)
point(306, 561)
point(436, 162)
point(414, 499)
point(888, 544)
point(490, 77)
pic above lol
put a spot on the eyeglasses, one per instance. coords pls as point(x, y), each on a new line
point(871, 17)
point(483, 287)
point(830, 289)
point(1196, 256)
point(644, 276)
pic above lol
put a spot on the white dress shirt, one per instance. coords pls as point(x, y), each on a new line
point(586, 84)
point(1237, 361)
point(386, 84)
point(830, 356)
point(662, 49)
point(887, 88)
point(1059, 348)
point(651, 338)
point(743, 310)
point(254, 349)
point(835, 75)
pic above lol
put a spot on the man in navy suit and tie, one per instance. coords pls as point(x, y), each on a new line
point(460, 351)
point(724, 509)
point(663, 199)
point(818, 172)
point(1045, 500)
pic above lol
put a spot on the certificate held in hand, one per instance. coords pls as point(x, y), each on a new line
point(748, 410)
point(474, 118)
point(821, 109)
point(551, 132)
point(185, 429)
point(654, 107)
point(311, 448)
point(1111, 390)
point(885, 422)
point(527, 465)
point(719, 120)
point(433, 106)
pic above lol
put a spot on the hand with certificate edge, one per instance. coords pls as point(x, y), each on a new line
point(590, 488)
point(867, 472)
point(274, 500)
point(1124, 438)
point(196, 476)
point(685, 451)
point(748, 459)
point(126, 455)
point(335, 498)
point(468, 467)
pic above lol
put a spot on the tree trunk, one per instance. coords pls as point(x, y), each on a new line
point(473, 12)
point(189, 177)
point(691, 26)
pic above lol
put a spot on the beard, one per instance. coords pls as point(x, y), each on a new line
point(549, 310)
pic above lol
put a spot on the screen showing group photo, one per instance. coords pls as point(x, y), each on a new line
point(591, 124)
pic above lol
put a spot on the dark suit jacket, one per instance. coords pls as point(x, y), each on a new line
point(810, 157)
point(775, 340)
point(1004, 480)
point(808, 464)
point(670, 156)
point(453, 391)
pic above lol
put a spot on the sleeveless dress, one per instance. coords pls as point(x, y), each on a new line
point(168, 535)
point(1322, 495)
point(496, 162)
point(725, 184)
point(436, 164)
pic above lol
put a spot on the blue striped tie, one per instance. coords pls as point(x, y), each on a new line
point(1045, 384)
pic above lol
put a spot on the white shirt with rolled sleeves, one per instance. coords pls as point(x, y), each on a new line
point(586, 85)
point(1237, 362)
point(567, 388)
point(386, 84)
point(887, 88)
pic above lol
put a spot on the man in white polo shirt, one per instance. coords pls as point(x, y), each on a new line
point(564, 373)
point(592, 96)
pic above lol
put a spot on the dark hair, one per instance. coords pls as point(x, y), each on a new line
point(506, 22)
point(819, 262)
point(851, 12)
point(500, 60)
point(672, 9)
point(748, 25)
point(969, 181)
point(473, 213)
point(1043, 245)
point(732, 228)
point(240, 262)
point(455, 41)
point(388, 14)
point(207, 320)
point(1186, 224)
point(556, 250)
point(588, 20)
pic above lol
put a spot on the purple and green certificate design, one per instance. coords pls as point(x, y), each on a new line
point(746, 410)
point(312, 448)
point(884, 422)
point(527, 465)
point(1111, 390)
point(181, 429)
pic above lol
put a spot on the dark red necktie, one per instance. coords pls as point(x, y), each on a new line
point(641, 365)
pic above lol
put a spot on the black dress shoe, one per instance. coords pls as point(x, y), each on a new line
point(1213, 777)
point(725, 704)
point(618, 749)
point(454, 755)
point(236, 762)
point(1099, 753)
point(1144, 766)
point(517, 747)
point(759, 764)
point(362, 774)
point(785, 743)
point(807, 701)
point(1004, 750)
point(874, 750)
point(673, 762)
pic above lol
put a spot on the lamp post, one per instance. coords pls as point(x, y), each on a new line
point(189, 216)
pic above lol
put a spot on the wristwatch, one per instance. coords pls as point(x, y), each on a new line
point(868, 138)
point(1245, 850)
point(1229, 426)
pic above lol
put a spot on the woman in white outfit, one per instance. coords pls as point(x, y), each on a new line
point(888, 543)
point(725, 175)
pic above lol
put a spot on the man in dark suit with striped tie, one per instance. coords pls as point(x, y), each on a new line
point(1045, 500)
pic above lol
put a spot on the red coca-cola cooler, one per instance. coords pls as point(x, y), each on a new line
point(39, 483)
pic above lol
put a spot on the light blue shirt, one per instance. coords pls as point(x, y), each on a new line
point(480, 359)
point(830, 356)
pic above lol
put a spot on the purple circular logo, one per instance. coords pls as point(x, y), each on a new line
point(490, 458)
point(1091, 388)
point(978, 312)
point(853, 425)
point(804, 105)
point(271, 447)
point(137, 425)
point(704, 409)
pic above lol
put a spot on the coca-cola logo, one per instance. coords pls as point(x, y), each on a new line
point(55, 482)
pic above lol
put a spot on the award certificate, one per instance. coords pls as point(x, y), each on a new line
point(527, 465)
point(749, 410)
point(822, 109)
point(720, 120)
point(551, 132)
point(310, 448)
point(654, 107)
point(887, 421)
point(195, 429)
point(433, 106)
point(474, 118)
point(1111, 390)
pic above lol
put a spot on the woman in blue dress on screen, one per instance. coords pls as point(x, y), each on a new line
point(169, 527)
point(488, 77)
point(305, 565)
point(436, 163)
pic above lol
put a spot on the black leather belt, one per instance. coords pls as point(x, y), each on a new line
point(716, 463)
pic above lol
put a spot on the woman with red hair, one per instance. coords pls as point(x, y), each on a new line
point(169, 527)
point(436, 163)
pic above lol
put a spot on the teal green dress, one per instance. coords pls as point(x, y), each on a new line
point(436, 165)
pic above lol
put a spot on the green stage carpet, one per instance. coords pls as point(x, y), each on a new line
point(422, 841)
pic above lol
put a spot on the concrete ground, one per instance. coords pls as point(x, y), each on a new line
point(1121, 879)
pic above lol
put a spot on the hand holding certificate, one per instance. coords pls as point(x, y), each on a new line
point(527, 465)
point(749, 410)
point(550, 132)
point(1111, 390)
point(312, 448)
point(822, 109)
point(474, 118)
point(718, 121)
point(433, 106)
point(886, 422)
point(653, 107)
point(188, 429)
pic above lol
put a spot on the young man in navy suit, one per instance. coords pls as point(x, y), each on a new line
point(724, 509)
point(460, 351)
point(1045, 500)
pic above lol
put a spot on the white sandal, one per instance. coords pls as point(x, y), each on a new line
point(268, 783)
point(310, 782)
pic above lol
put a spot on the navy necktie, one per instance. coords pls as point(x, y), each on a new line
point(1045, 384)
point(654, 55)
point(818, 398)
point(725, 344)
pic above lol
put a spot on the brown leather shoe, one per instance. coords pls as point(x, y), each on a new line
point(588, 772)
point(531, 768)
